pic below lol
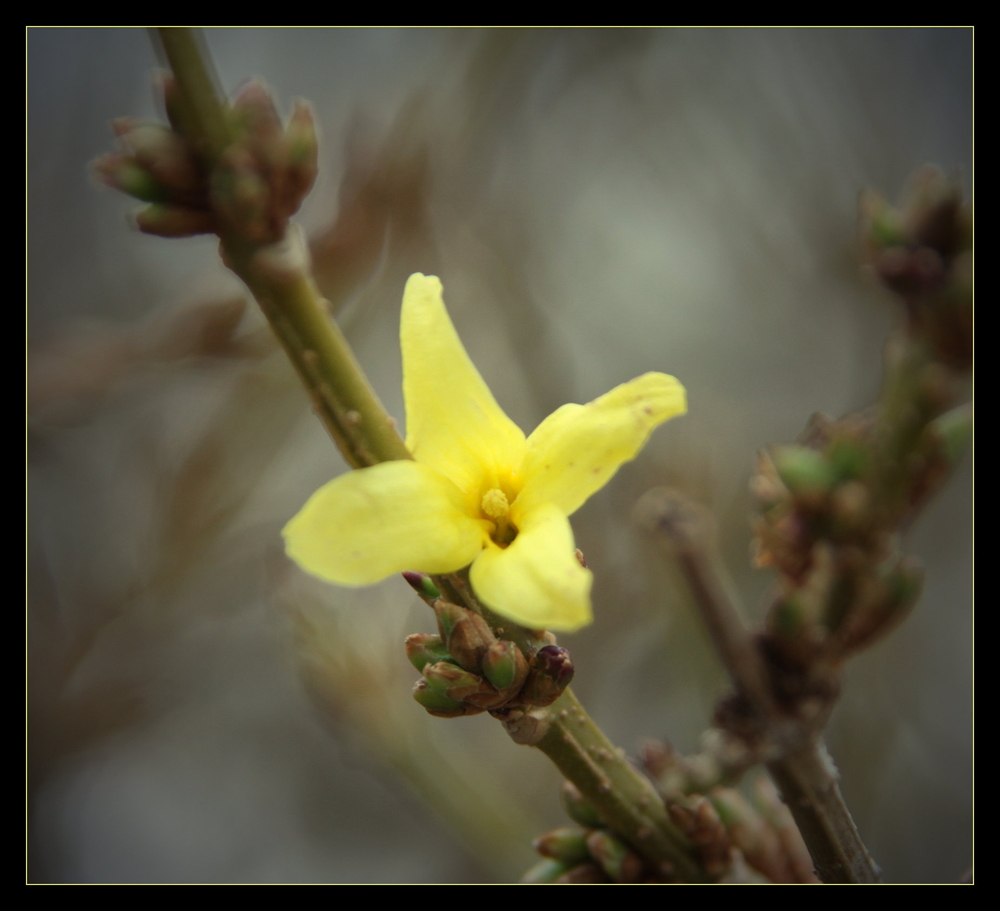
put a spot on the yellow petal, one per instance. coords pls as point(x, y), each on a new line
point(371, 523)
point(536, 581)
point(453, 423)
point(578, 448)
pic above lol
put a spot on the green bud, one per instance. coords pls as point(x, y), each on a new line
point(848, 458)
point(504, 665)
point(451, 680)
point(301, 156)
point(614, 856)
point(566, 844)
point(162, 153)
point(174, 221)
point(254, 113)
point(437, 703)
point(422, 585)
point(447, 615)
point(881, 225)
point(545, 871)
point(578, 808)
point(804, 472)
point(954, 430)
point(895, 595)
point(122, 173)
point(904, 582)
point(425, 648)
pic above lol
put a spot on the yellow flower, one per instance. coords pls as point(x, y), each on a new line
point(477, 491)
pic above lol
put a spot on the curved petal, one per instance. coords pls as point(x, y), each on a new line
point(453, 423)
point(577, 449)
point(536, 581)
point(373, 522)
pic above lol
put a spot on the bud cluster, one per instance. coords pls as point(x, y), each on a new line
point(826, 526)
point(923, 252)
point(467, 669)
point(730, 831)
point(588, 852)
point(831, 506)
point(255, 186)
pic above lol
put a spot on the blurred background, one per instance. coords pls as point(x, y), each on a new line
point(598, 203)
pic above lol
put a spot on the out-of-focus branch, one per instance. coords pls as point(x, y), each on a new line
point(832, 508)
point(798, 760)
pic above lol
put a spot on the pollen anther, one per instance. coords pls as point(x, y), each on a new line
point(495, 504)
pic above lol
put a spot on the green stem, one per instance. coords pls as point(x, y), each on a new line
point(625, 799)
point(204, 110)
point(342, 397)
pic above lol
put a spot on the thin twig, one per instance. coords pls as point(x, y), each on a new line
point(807, 780)
point(686, 529)
point(806, 776)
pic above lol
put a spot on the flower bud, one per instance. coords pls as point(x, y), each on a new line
point(881, 226)
point(240, 194)
point(301, 156)
point(545, 871)
point(566, 844)
point(578, 808)
point(933, 211)
point(451, 680)
point(505, 665)
point(466, 634)
point(954, 430)
point(551, 672)
point(422, 585)
point(123, 173)
point(255, 116)
point(584, 874)
point(805, 472)
point(700, 822)
point(439, 706)
point(425, 648)
point(848, 458)
point(614, 856)
point(174, 221)
point(437, 703)
point(162, 153)
point(898, 590)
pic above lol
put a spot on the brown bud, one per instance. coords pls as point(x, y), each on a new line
point(551, 672)
point(465, 633)
point(615, 857)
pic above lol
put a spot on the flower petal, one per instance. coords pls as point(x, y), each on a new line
point(577, 449)
point(373, 522)
point(453, 423)
point(536, 581)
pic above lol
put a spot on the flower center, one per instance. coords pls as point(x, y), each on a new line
point(496, 505)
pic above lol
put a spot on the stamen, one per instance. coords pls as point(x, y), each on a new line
point(495, 504)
